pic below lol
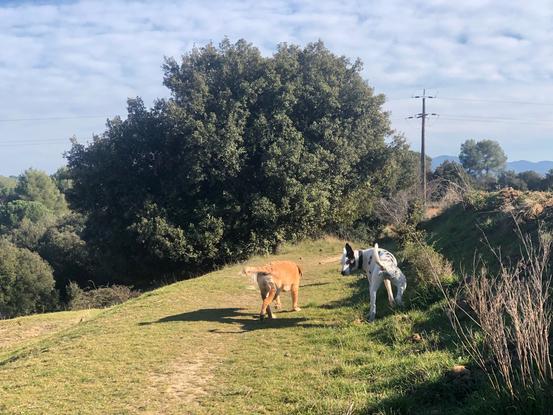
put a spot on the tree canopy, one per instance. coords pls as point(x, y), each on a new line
point(482, 158)
point(249, 151)
point(26, 282)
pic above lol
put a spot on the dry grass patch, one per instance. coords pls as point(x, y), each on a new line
point(16, 332)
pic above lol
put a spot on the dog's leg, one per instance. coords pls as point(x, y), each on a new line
point(401, 285)
point(263, 296)
point(374, 285)
point(266, 306)
point(388, 285)
point(295, 292)
point(278, 304)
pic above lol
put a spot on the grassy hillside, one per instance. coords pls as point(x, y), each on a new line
point(467, 231)
point(21, 331)
point(195, 347)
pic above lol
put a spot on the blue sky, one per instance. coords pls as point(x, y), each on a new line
point(67, 66)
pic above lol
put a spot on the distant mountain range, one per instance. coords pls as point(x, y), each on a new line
point(518, 166)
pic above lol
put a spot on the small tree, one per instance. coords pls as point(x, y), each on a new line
point(61, 245)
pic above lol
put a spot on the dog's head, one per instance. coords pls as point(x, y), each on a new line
point(251, 272)
point(247, 271)
point(349, 260)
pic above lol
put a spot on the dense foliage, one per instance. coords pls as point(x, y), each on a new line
point(448, 174)
point(526, 180)
point(41, 245)
point(248, 152)
point(26, 282)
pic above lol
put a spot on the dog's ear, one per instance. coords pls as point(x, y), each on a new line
point(349, 251)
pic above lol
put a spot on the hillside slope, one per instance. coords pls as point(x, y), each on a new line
point(194, 347)
point(466, 231)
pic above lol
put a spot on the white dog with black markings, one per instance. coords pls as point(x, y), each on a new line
point(379, 265)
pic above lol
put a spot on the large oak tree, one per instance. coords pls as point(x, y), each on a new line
point(247, 152)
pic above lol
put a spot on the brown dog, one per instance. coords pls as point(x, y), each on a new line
point(273, 278)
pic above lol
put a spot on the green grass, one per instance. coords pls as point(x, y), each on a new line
point(464, 234)
point(21, 331)
point(195, 347)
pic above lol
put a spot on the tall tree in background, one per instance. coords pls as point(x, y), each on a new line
point(37, 186)
point(248, 152)
point(482, 158)
point(7, 186)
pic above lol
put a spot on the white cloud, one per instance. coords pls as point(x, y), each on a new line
point(87, 57)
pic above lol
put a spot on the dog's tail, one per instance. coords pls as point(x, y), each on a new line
point(251, 272)
point(377, 259)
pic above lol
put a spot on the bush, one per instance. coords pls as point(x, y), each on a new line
point(430, 270)
point(26, 282)
point(62, 246)
point(102, 297)
point(448, 175)
point(404, 211)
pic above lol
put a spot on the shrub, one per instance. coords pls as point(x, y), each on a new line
point(101, 297)
point(430, 270)
point(26, 282)
point(448, 176)
point(62, 246)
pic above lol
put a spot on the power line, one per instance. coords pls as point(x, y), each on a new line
point(498, 101)
point(32, 142)
point(72, 117)
point(23, 145)
point(43, 139)
point(502, 101)
point(471, 117)
point(477, 118)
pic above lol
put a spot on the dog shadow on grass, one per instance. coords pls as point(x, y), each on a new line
point(236, 317)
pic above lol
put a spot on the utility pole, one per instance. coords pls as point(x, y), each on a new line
point(423, 116)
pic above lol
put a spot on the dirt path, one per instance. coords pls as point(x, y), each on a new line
point(208, 330)
point(211, 329)
point(174, 350)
